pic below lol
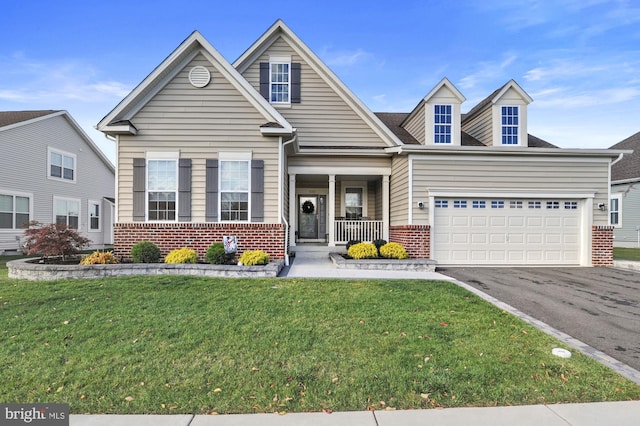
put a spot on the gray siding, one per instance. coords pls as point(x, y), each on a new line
point(416, 126)
point(627, 235)
point(199, 123)
point(322, 118)
point(485, 174)
point(481, 126)
point(25, 169)
point(399, 191)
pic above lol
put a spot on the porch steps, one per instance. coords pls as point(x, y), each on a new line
point(315, 250)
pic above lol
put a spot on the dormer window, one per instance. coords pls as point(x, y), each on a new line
point(510, 125)
point(442, 124)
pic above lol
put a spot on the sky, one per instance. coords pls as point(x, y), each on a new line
point(578, 59)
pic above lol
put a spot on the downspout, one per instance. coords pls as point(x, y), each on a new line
point(282, 216)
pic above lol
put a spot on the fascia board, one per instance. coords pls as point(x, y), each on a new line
point(445, 83)
point(511, 84)
point(510, 151)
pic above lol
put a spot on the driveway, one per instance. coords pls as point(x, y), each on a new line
point(599, 306)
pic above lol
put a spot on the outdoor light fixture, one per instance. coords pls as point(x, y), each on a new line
point(602, 206)
point(420, 205)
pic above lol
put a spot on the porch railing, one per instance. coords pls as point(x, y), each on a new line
point(363, 230)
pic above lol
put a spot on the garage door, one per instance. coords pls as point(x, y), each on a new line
point(469, 231)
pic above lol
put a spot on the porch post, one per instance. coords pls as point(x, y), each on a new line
point(293, 210)
point(385, 207)
point(332, 210)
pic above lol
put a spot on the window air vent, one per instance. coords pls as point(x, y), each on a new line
point(199, 76)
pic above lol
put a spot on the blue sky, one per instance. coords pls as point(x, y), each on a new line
point(578, 59)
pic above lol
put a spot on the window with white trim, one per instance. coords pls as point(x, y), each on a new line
point(442, 124)
point(479, 204)
point(15, 211)
point(162, 189)
point(234, 190)
point(62, 165)
point(67, 212)
point(441, 204)
point(571, 205)
point(553, 205)
point(515, 204)
point(94, 216)
point(510, 124)
point(497, 204)
point(615, 210)
point(279, 90)
point(459, 204)
point(353, 203)
point(535, 204)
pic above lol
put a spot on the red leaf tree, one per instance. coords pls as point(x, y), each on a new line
point(53, 240)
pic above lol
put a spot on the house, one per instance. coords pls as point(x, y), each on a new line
point(275, 149)
point(52, 172)
point(624, 206)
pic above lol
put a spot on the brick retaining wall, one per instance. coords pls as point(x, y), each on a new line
point(268, 237)
point(602, 246)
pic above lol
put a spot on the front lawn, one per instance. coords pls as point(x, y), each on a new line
point(172, 344)
point(624, 253)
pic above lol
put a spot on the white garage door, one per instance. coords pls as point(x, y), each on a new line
point(470, 231)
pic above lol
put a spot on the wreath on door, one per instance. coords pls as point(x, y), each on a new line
point(308, 207)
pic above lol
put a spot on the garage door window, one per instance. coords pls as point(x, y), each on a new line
point(553, 205)
point(497, 204)
point(571, 205)
point(535, 204)
point(515, 204)
point(441, 204)
point(459, 204)
point(479, 204)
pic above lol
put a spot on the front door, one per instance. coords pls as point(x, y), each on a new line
point(312, 218)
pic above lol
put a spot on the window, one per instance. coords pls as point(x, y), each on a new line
point(442, 124)
point(571, 205)
point(94, 216)
point(162, 189)
point(510, 125)
point(535, 204)
point(354, 203)
point(479, 204)
point(67, 212)
point(14, 211)
point(234, 190)
point(515, 204)
point(459, 204)
point(279, 72)
point(441, 204)
point(62, 165)
point(615, 210)
point(497, 204)
point(553, 205)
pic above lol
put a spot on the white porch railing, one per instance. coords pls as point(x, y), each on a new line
point(363, 230)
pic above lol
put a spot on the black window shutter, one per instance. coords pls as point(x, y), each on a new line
point(139, 185)
point(257, 191)
point(184, 190)
point(211, 189)
point(295, 83)
point(264, 80)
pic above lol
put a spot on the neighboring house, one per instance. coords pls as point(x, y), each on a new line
point(52, 172)
point(624, 206)
point(276, 150)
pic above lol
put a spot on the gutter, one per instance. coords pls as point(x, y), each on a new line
point(284, 219)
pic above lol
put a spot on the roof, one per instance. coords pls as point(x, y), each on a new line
point(493, 97)
point(629, 167)
point(8, 118)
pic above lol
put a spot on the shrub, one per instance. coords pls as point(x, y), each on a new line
point(363, 251)
point(145, 252)
point(393, 251)
point(351, 243)
point(254, 257)
point(217, 256)
point(99, 258)
point(182, 255)
point(53, 240)
point(379, 243)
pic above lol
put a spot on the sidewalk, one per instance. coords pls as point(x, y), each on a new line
point(595, 414)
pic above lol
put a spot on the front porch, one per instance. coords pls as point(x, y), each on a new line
point(333, 208)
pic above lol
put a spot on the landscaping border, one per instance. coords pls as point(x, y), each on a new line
point(341, 262)
point(24, 269)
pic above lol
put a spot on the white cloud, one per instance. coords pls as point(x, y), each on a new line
point(488, 71)
point(345, 59)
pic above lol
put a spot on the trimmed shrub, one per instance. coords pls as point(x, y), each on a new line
point(217, 256)
point(182, 255)
point(99, 258)
point(352, 242)
point(363, 251)
point(379, 243)
point(145, 252)
point(393, 251)
point(254, 257)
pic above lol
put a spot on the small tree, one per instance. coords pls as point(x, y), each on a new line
point(49, 240)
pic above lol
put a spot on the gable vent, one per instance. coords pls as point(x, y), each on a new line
point(199, 76)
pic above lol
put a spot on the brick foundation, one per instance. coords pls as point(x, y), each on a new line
point(602, 245)
point(268, 237)
point(416, 239)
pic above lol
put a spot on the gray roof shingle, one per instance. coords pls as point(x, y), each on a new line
point(8, 118)
point(629, 166)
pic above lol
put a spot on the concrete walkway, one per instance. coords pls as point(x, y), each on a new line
point(312, 265)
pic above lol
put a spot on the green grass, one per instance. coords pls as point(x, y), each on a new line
point(172, 344)
point(623, 253)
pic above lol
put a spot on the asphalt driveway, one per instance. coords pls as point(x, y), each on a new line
point(599, 306)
